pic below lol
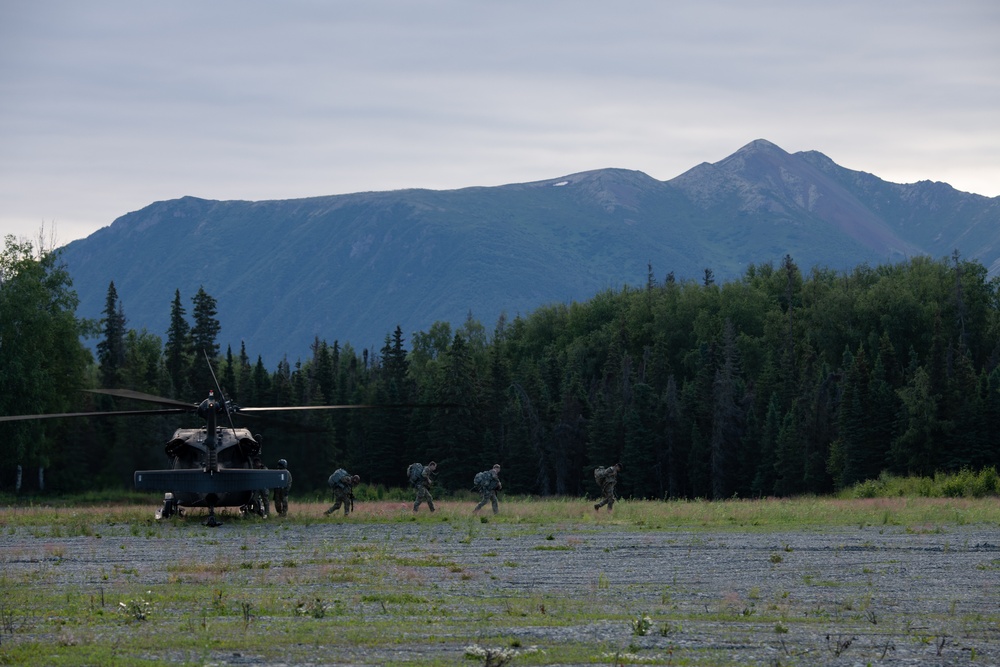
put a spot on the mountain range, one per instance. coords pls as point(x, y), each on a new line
point(351, 268)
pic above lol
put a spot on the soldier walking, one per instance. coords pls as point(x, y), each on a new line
point(488, 483)
point(420, 477)
point(259, 502)
point(607, 478)
point(281, 492)
point(342, 483)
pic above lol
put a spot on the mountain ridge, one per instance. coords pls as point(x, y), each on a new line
point(352, 267)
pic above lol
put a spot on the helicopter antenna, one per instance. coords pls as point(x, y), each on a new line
point(222, 396)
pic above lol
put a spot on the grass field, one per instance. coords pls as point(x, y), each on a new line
point(807, 581)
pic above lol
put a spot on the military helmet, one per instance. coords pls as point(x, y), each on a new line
point(282, 463)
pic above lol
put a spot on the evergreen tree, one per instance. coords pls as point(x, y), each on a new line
point(853, 443)
point(455, 429)
point(642, 440)
point(178, 349)
point(323, 369)
point(668, 459)
point(766, 468)
point(569, 437)
point(389, 429)
point(495, 404)
point(525, 468)
point(698, 406)
point(111, 348)
point(967, 446)
point(727, 417)
point(228, 378)
point(261, 393)
point(244, 392)
point(789, 462)
point(915, 451)
point(204, 333)
point(605, 429)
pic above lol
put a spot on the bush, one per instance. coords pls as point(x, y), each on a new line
point(965, 483)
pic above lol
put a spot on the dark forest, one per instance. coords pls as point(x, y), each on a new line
point(775, 384)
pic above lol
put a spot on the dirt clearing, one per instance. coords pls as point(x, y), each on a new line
point(450, 588)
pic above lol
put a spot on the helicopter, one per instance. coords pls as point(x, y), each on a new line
point(211, 466)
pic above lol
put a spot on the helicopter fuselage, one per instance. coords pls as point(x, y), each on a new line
point(211, 468)
point(235, 450)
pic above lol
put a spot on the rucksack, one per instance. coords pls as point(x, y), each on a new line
point(482, 479)
point(337, 477)
point(415, 473)
point(600, 474)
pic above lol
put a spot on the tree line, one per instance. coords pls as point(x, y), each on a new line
point(773, 384)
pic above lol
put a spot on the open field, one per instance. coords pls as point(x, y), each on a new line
point(800, 582)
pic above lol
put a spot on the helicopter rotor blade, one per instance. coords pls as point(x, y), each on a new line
point(391, 406)
point(114, 413)
point(222, 396)
point(140, 396)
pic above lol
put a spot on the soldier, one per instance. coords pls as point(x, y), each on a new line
point(281, 493)
point(606, 479)
point(488, 483)
point(420, 477)
point(259, 502)
point(342, 483)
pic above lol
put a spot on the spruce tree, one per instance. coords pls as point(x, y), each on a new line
point(178, 349)
point(727, 417)
point(668, 459)
point(204, 333)
point(243, 392)
point(111, 348)
point(455, 429)
point(228, 378)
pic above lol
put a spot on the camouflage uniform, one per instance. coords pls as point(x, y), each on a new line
point(259, 502)
point(343, 494)
point(607, 478)
point(488, 489)
point(281, 493)
point(424, 487)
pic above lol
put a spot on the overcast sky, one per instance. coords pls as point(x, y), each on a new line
point(106, 107)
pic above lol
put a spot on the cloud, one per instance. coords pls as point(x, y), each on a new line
point(108, 106)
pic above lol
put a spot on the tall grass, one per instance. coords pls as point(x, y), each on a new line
point(963, 484)
point(963, 497)
point(765, 514)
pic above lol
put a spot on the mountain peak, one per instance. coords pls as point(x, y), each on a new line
point(761, 146)
point(352, 267)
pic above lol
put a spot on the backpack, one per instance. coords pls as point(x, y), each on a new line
point(337, 478)
point(482, 480)
point(415, 473)
point(600, 474)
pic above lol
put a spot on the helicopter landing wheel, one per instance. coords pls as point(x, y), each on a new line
point(212, 522)
point(169, 507)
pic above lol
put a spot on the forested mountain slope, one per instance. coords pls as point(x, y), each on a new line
point(350, 268)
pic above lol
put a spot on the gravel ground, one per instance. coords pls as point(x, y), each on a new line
point(832, 596)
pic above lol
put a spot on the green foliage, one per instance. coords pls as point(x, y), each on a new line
point(42, 363)
point(779, 383)
point(964, 483)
